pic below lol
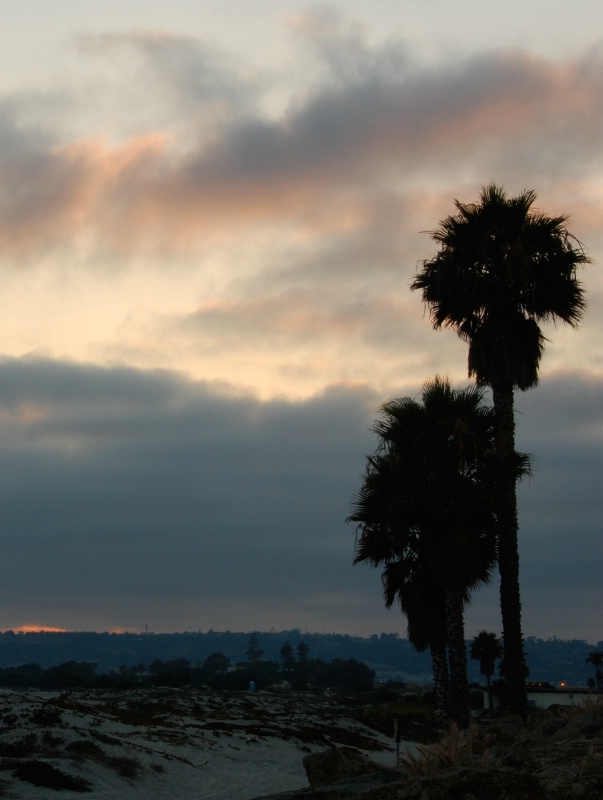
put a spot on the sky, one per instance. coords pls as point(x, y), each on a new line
point(210, 217)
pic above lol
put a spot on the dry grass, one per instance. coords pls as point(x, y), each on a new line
point(590, 705)
point(561, 741)
point(456, 748)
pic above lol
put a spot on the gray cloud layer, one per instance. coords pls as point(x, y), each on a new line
point(144, 498)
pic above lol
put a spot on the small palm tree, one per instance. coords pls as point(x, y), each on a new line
point(487, 649)
point(596, 659)
point(425, 514)
point(502, 269)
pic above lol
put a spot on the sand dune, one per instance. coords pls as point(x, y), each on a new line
point(159, 743)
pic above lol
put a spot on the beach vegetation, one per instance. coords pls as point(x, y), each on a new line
point(41, 773)
point(47, 716)
point(19, 748)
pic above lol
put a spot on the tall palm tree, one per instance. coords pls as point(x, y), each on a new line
point(424, 513)
point(487, 649)
point(502, 268)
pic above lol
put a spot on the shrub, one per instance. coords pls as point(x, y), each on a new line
point(19, 748)
point(50, 740)
point(42, 774)
point(126, 767)
point(84, 747)
point(47, 716)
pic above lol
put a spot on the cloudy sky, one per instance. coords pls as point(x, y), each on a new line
point(210, 215)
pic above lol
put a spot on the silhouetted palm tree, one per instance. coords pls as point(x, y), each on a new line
point(502, 269)
point(425, 514)
point(596, 659)
point(487, 649)
point(422, 600)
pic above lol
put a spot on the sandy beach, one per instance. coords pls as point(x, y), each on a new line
point(157, 743)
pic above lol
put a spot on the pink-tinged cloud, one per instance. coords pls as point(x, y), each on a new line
point(385, 133)
point(299, 315)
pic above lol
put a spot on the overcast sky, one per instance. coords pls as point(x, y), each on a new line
point(210, 216)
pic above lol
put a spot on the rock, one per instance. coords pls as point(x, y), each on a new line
point(336, 764)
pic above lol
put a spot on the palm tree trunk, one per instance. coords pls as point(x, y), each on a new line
point(515, 670)
point(490, 698)
point(441, 681)
point(459, 706)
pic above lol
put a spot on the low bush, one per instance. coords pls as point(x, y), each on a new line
point(20, 748)
point(41, 773)
point(125, 767)
point(46, 716)
point(84, 747)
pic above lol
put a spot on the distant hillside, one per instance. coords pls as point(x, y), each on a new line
point(553, 660)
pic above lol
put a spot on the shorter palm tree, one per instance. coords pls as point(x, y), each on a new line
point(596, 659)
point(425, 514)
point(487, 649)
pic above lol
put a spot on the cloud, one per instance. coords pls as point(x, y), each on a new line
point(148, 498)
point(319, 165)
point(186, 72)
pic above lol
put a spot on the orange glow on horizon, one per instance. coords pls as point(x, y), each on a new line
point(36, 629)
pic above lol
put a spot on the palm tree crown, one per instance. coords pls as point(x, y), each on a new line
point(502, 268)
point(487, 649)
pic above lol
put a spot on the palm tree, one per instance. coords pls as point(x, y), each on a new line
point(487, 649)
point(596, 659)
point(502, 268)
point(423, 602)
point(424, 513)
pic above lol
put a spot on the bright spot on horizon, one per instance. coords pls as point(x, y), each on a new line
point(35, 629)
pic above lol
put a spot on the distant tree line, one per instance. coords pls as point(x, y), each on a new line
point(388, 651)
point(390, 655)
point(216, 672)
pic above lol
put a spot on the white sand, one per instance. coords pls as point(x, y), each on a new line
point(184, 745)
